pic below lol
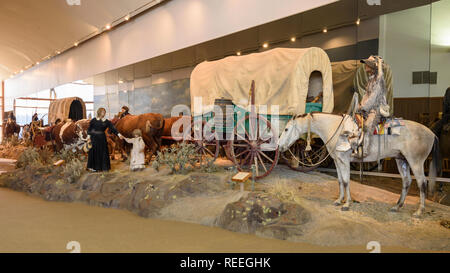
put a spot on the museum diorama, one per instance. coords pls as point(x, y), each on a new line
point(305, 126)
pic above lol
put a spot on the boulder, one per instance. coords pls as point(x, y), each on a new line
point(266, 215)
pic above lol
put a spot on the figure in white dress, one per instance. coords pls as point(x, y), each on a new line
point(137, 161)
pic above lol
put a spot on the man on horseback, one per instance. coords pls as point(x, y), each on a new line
point(373, 107)
point(124, 111)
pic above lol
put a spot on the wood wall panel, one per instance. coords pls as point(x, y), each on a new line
point(280, 29)
point(412, 108)
point(162, 63)
point(183, 58)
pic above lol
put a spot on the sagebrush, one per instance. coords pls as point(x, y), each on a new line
point(180, 158)
point(73, 170)
point(30, 157)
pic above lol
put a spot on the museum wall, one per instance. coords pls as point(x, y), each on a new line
point(159, 92)
point(415, 40)
point(174, 25)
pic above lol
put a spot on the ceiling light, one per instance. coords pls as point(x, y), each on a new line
point(37, 63)
point(293, 39)
point(266, 45)
point(21, 70)
point(325, 30)
point(127, 18)
point(57, 52)
point(238, 53)
point(75, 44)
point(108, 26)
point(358, 21)
point(120, 81)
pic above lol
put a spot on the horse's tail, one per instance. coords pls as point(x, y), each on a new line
point(435, 166)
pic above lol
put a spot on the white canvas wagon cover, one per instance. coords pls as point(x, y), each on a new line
point(73, 108)
point(281, 76)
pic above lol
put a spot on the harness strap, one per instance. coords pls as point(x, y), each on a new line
point(308, 138)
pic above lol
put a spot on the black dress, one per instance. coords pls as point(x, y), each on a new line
point(98, 157)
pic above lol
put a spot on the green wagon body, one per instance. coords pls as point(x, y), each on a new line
point(240, 113)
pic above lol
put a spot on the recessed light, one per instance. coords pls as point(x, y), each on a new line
point(127, 18)
point(358, 21)
point(266, 45)
point(238, 53)
point(325, 30)
point(75, 44)
point(108, 26)
point(293, 39)
point(21, 70)
point(37, 63)
point(120, 81)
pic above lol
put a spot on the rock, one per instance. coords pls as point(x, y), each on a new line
point(263, 214)
point(91, 182)
point(196, 184)
point(445, 223)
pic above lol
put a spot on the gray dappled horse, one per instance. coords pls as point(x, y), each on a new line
point(410, 148)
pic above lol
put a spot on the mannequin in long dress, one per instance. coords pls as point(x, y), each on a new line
point(137, 161)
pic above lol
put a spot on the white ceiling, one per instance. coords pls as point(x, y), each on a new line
point(31, 30)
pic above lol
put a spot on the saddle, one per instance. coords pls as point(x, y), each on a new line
point(389, 127)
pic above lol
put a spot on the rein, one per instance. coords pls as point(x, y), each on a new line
point(321, 149)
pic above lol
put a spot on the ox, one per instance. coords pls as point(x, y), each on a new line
point(150, 124)
point(70, 135)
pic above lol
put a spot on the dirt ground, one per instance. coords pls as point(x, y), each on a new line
point(303, 203)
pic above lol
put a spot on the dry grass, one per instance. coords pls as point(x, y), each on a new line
point(284, 192)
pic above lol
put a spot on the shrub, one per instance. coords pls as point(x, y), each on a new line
point(30, 157)
point(73, 170)
point(209, 167)
point(180, 158)
point(12, 141)
point(46, 156)
point(67, 155)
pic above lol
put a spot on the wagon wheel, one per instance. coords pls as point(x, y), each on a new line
point(305, 161)
point(252, 146)
point(207, 147)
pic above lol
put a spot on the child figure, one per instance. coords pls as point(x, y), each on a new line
point(137, 162)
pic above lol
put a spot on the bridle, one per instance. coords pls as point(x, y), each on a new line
point(321, 150)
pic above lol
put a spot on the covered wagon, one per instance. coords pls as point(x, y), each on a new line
point(72, 108)
point(271, 87)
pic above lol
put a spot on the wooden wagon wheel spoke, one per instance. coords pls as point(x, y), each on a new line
point(262, 162)
point(268, 158)
point(244, 159)
point(208, 151)
point(241, 145)
point(246, 151)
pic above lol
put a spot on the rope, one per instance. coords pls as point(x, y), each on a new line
point(323, 147)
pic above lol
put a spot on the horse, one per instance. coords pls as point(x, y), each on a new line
point(11, 128)
point(410, 148)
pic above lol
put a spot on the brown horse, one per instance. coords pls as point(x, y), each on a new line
point(11, 128)
point(150, 124)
